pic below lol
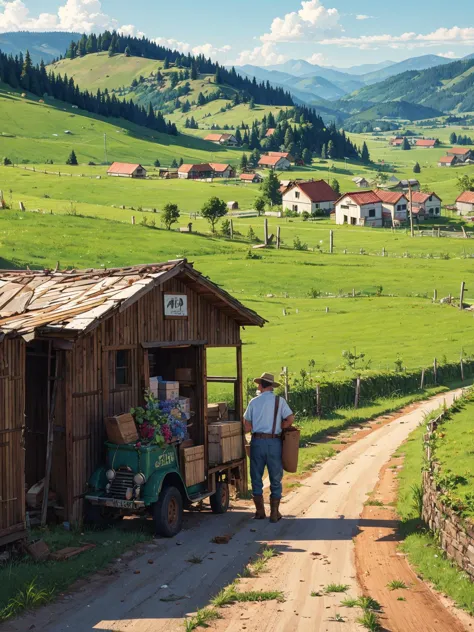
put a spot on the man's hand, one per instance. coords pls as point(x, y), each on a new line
point(247, 426)
point(286, 423)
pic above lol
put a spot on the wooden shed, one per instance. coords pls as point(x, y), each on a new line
point(78, 346)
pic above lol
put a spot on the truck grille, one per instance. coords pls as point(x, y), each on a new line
point(120, 484)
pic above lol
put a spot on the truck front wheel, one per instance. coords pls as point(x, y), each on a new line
point(221, 499)
point(168, 512)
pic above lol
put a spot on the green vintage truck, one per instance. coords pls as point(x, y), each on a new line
point(151, 479)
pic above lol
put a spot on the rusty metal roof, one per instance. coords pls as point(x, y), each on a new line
point(70, 303)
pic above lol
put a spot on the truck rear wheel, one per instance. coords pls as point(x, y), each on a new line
point(221, 499)
point(168, 512)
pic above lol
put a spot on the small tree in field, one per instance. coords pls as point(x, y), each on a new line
point(157, 163)
point(270, 188)
point(6, 161)
point(406, 145)
point(260, 205)
point(335, 186)
point(170, 215)
point(72, 159)
point(417, 168)
point(213, 210)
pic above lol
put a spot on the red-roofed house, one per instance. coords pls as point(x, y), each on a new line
point(251, 178)
point(461, 153)
point(396, 142)
point(312, 196)
point(270, 132)
point(394, 206)
point(363, 208)
point(425, 205)
point(274, 162)
point(448, 161)
point(195, 172)
point(126, 170)
point(222, 139)
point(222, 171)
point(465, 203)
point(282, 154)
point(428, 143)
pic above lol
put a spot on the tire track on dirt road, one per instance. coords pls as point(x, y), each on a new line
point(321, 517)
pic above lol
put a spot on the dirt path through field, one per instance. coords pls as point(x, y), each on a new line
point(315, 539)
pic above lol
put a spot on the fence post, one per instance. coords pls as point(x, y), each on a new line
point(461, 297)
point(133, 220)
point(439, 231)
point(461, 363)
point(435, 371)
point(285, 373)
point(278, 238)
point(422, 384)
point(331, 241)
point(231, 229)
point(353, 292)
point(357, 393)
point(383, 251)
point(435, 296)
point(318, 401)
point(265, 231)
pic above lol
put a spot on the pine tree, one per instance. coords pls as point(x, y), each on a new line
point(417, 168)
point(364, 155)
point(335, 186)
point(244, 162)
point(166, 63)
point(194, 72)
point(453, 139)
point(331, 150)
point(270, 188)
point(201, 100)
point(307, 156)
point(218, 75)
point(238, 136)
point(72, 159)
point(406, 145)
point(26, 72)
point(113, 46)
point(71, 51)
point(82, 46)
point(128, 52)
point(324, 152)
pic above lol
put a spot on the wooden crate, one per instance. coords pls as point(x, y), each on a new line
point(121, 429)
point(194, 465)
point(225, 442)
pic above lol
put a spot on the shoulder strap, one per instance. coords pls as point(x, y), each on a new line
point(275, 414)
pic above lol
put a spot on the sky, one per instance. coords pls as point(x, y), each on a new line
point(339, 33)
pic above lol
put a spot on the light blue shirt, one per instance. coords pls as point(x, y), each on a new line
point(261, 410)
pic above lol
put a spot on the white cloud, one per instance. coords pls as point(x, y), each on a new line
point(313, 18)
point(182, 47)
point(449, 55)
point(317, 59)
point(409, 40)
point(265, 55)
point(362, 16)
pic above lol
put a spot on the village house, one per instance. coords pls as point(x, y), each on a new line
point(465, 203)
point(394, 206)
point(406, 185)
point(425, 205)
point(361, 182)
point(396, 142)
point(312, 196)
point(79, 346)
point(222, 171)
point(281, 154)
point(463, 154)
point(126, 170)
point(195, 172)
point(448, 161)
point(228, 140)
point(361, 208)
point(251, 178)
point(270, 132)
point(274, 162)
point(427, 143)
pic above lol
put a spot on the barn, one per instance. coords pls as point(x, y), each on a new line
point(77, 346)
point(126, 170)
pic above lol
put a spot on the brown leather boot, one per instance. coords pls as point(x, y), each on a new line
point(259, 507)
point(275, 515)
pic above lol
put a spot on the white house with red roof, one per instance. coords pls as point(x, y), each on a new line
point(126, 170)
point(427, 143)
point(222, 139)
point(222, 170)
point(425, 205)
point(251, 178)
point(465, 203)
point(279, 163)
point(361, 208)
point(195, 172)
point(462, 153)
point(448, 161)
point(311, 196)
point(394, 206)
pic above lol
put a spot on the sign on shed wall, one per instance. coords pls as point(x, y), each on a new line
point(176, 305)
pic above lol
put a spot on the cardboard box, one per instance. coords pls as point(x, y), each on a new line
point(184, 375)
point(217, 412)
point(121, 429)
point(193, 465)
point(164, 390)
point(225, 442)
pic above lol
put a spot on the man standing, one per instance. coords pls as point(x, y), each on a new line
point(266, 416)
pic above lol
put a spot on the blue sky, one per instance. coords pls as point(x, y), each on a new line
point(264, 32)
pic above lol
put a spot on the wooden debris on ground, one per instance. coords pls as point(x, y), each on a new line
point(70, 551)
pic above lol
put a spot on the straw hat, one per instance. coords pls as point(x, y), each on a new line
point(267, 377)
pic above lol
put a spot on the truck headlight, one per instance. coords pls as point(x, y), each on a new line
point(110, 474)
point(139, 479)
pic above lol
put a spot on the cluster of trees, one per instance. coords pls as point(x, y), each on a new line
point(191, 123)
point(465, 183)
point(114, 43)
point(454, 139)
point(19, 72)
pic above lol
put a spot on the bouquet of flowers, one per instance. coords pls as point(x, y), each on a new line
point(160, 423)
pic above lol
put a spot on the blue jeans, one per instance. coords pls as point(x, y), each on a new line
point(266, 452)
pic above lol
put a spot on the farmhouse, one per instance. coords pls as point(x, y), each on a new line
point(195, 172)
point(126, 170)
point(396, 142)
point(448, 161)
point(425, 205)
point(361, 182)
point(394, 206)
point(222, 171)
point(312, 196)
point(465, 203)
point(462, 153)
point(427, 143)
point(281, 154)
point(228, 140)
point(251, 178)
point(79, 346)
point(362, 208)
point(274, 162)
point(405, 185)
point(270, 132)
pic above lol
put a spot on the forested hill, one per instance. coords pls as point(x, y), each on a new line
point(262, 93)
point(449, 87)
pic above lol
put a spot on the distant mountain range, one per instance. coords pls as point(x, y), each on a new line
point(42, 46)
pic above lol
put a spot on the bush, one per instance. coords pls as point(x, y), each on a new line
point(252, 255)
point(298, 244)
point(225, 228)
point(251, 236)
point(305, 215)
point(6, 161)
point(289, 213)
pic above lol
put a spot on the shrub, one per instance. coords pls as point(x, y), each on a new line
point(305, 215)
point(299, 245)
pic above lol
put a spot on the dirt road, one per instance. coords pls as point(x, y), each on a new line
point(322, 517)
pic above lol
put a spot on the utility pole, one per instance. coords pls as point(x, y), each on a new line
point(411, 210)
point(105, 148)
